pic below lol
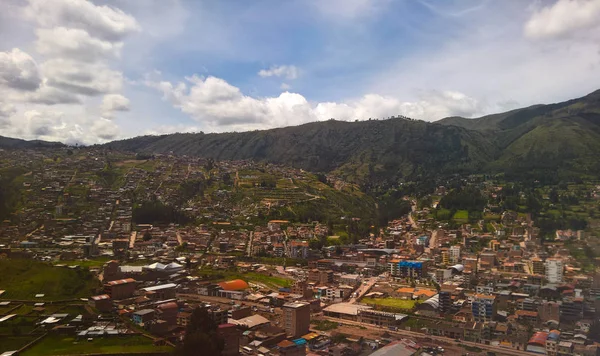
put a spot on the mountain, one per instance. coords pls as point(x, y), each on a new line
point(16, 143)
point(556, 137)
point(562, 137)
point(377, 149)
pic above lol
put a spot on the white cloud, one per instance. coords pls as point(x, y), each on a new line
point(105, 22)
point(75, 44)
point(289, 72)
point(223, 107)
point(285, 86)
point(51, 96)
point(18, 70)
point(7, 109)
point(563, 18)
point(82, 78)
point(114, 102)
point(348, 9)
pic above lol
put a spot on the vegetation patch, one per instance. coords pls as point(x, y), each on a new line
point(390, 303)
point(58, 345)
point(324, 325)
point(23, 279)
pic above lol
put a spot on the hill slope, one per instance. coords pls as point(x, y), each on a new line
point(562, 136)
point(379, 150)
point(16, 143)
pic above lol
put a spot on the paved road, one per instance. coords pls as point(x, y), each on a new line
point(363, 289)
point(405, 333)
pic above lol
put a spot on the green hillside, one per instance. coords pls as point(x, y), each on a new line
point(377, 150)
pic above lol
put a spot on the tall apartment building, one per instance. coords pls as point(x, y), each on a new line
point(484, 307)
point(408, 269)
point(296, 319)
point(554, 270)
point(536, 266)
point(454, 254)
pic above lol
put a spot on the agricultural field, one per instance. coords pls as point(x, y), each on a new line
point(59, 345)
point(23, 279)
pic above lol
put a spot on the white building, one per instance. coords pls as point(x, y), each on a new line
point(454, 254)
point(554, 270)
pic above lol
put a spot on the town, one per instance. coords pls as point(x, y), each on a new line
point(111, 252)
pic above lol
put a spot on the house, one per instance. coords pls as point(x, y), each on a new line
point(143, 316)
point(102, 303)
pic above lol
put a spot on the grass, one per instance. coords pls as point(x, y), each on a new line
point(12, 343)
point(95, 263)
point(23, 279)
point(58, 345)
point(461, 215)
point(390, 303)
point(324, 325)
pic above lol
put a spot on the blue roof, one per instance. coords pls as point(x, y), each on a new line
point(411, 264)
point(299, 341)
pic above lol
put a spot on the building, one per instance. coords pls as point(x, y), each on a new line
point(289, 348)
point(445, 301)
point(320, 276)
point(143, 316)
point(102, 303)
point(483, 307)
point(296, 319)
point(299, 249)
point(161, 292)
point(537, 266)
point(231, 336)
point(454, 254)
point(121, 288)
point(408, 269)
point(380, 318)
point(537, 343)
point(554, 270)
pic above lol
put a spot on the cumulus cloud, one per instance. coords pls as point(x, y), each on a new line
point(105, 22)
point(563, 18)
point(51, 96)
point(18, 70)
point(222, 106)
point(82, 78)
point(75, 44)
point(7, 109)
point(289, 72)
point(114, 102)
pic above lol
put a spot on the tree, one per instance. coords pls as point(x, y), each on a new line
point(201, 336)
point(147, 236)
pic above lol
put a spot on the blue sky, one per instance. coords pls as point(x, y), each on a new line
point(91, 71)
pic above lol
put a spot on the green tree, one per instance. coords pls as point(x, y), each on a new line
point(201, 336)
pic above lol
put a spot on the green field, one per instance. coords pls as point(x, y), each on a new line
point(461, 215)
point(59, 345)
point(23, 279)
point(95, 263)
point(391, 303)
point(12, 343)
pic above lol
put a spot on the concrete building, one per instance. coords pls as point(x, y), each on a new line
point(296, 319)
point(454, 254)
point(483, 307)
point(231, 336)
point(121, 288)
point(554, 270)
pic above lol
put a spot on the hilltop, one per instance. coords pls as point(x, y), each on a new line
point(561, 137)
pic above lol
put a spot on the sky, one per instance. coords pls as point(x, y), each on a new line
point(91, 71)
